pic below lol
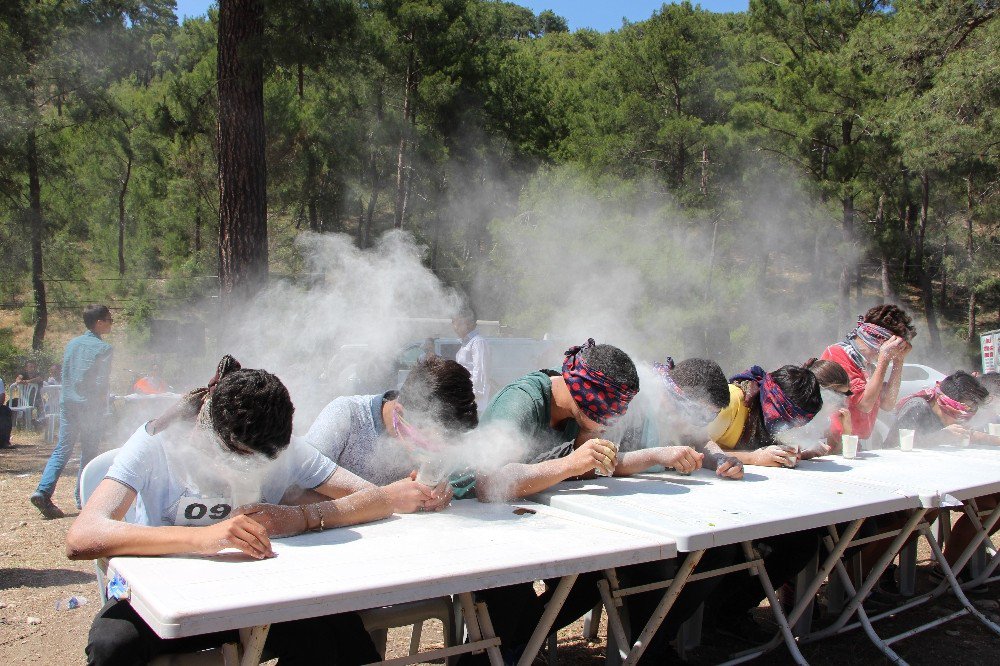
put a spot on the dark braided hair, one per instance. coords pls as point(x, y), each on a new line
point(252, 408)
point(893, 318)
point(441, 390)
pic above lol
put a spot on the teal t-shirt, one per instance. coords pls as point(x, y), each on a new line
point(526, 404)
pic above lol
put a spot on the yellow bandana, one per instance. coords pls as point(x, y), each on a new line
point(727, 427)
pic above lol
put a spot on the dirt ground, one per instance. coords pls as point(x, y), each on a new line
point(35, 575)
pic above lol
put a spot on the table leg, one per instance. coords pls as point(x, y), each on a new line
point(659, 614)
point(473, 615)
point(772, 598)
point(956, 587)
point(806, 596)
point(253, 639)
point(548, 617)
point(982, 534)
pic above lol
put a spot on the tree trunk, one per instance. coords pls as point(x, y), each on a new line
point(242, 159)
point(401, 154)
point(37, 231)
point(301, 81)
point(906, 214)
point(121, 213)
point(926, 290)
point(704, 171)
point(847, 227)
point(970, 255)
point(197, 232)
point(944, 269)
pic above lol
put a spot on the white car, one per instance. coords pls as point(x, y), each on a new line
point(918, 377)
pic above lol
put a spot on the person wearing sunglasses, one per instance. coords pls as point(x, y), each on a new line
point(82, 404)
point(378, 437)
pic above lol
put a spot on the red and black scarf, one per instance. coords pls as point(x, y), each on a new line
point(600, 398)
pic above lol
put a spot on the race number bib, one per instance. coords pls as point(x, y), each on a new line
point(201, 511)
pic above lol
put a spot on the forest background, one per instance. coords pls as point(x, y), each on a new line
point(727, 183)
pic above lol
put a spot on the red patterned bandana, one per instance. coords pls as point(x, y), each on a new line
point(600, 398)
point(949, 406)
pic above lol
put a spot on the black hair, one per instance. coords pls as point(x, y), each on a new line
point(701, 375)
point(94, 313)
point(613, 363)
point(252, 408)
point(801, 387)
point(991, 382)
point(965, 388)
point(893, 318)
point(441, 390)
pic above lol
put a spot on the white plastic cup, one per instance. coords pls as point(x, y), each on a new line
point(849, 443)
point(994, 429)
point(905, 439)
point(432, 472)
point(965, 441)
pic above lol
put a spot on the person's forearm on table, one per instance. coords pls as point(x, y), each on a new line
point(635, 462)
point(516, 480)
point(364, 506)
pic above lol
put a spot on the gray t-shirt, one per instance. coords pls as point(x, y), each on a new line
point(350, 432)
point(180, 483)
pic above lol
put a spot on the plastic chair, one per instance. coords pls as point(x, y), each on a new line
point(50, 410)
point(26, 394)
point(226, 655)
point(378, 621)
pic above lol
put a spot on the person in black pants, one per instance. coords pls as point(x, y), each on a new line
point(119, 637)
point(194, 504)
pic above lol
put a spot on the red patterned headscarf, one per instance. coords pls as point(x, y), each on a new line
point(780, 413)
point(951, 407)
point(600, 398)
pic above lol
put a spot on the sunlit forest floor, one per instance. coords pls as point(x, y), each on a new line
point(35, 574)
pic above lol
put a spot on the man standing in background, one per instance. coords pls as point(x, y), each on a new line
point(474, 354)
point(86, 369)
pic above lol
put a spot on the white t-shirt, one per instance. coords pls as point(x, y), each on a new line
point(474, 355)
point(181, 482)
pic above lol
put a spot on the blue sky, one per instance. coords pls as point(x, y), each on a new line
point(598, 14)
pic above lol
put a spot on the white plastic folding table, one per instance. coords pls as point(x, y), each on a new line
point(469, 546)
point(937, 479)
point(701, 511)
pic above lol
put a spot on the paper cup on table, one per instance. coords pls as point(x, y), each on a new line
point(432, 472)
point(905, 440)
point(614, 460)
point(994, 429)
point(965, 441)
point(850, 446)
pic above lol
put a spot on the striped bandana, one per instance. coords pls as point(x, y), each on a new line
point(872, 335)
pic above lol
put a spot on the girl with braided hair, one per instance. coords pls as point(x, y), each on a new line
point(187, 474)
point(873, 355)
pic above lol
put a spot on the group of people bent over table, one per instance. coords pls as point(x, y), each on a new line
point(222, 469)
